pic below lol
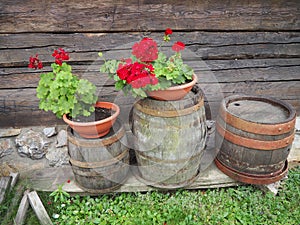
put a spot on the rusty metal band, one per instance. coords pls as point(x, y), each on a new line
point(253, 143)
point(94, 165)
point(97, 142)
point(170, 113)
point(257, 128)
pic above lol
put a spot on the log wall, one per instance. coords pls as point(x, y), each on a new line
point(239, 47)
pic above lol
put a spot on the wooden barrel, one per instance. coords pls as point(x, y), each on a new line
point(255, 135)
point(170, 139)
point(99, 165)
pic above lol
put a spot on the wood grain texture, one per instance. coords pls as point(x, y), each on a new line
point(39, 208)
point(21, 213)
point(73, 16)
point(238, 47)
point(4, 187)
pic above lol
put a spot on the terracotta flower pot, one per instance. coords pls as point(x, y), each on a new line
point(173, 93)
point(95, 129)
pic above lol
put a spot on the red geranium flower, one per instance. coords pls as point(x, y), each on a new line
point(35, 63)
point(138, 75)
point(168, 31)
point(146, 50)
point(60, 55)
point(178, 46)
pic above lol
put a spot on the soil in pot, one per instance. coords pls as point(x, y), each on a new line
point(99, 114)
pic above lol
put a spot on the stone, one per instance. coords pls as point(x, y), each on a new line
point(9, 132)
point(50, 131)
point(5, 147)
point(62, 139)
point(31, 144)
point(272, 188)
point(297, 125)
point(58, 156)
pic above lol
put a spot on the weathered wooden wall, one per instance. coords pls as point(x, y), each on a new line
point(250, 47)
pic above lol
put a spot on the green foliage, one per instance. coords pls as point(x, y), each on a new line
point(63, 93)
point(236, 205)
point(172, 69)
point(59, 194)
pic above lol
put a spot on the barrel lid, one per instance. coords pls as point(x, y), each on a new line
point(257, 114)
point(259, 109)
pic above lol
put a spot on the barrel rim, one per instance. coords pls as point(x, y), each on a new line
point(94, 165)
point(137, 174)
point(251, 178)
point(185, 106)
point(254, 127)
point(170, 113)
point(156, 160)
point(254, 143)
point(104, 190)
point(103, 141)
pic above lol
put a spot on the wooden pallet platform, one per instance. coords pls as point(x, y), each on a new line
point(48, 179)
point(210, 176)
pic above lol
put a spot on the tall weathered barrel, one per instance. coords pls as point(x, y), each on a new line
point(255, 135)
point(170, 139)
point(99, 165)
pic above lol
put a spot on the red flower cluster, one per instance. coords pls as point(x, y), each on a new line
point(146, 50)
point(178, 46)
point(60, 55)
point(137, 74)
point(35, 63)
point(168, 31)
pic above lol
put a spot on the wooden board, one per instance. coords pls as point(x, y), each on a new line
point(48, 179)
point(20, 107)
point(238, 47)
point(66, 16)
point(21, 213)
point(4, 187)
point(210, 176)
point(39, 208)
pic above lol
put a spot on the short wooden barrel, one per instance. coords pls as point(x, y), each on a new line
point(99, 165)
point(170, 139)
point(255, 135)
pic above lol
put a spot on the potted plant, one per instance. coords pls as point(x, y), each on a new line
point(72, 98)
point(150, 72)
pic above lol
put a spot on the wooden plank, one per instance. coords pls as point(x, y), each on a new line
point(98, 41)
point(23, 207)
point(39, 208)
point(48, 179)
point(108, 15)
point(14, 179)
point(294, 156)
point(89, 69)
point(17, 107)
point(214, 45)
point(264, 74)
point(228, 64)
point(4, 186)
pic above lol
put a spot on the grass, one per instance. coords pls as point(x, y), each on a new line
point(235, 205)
